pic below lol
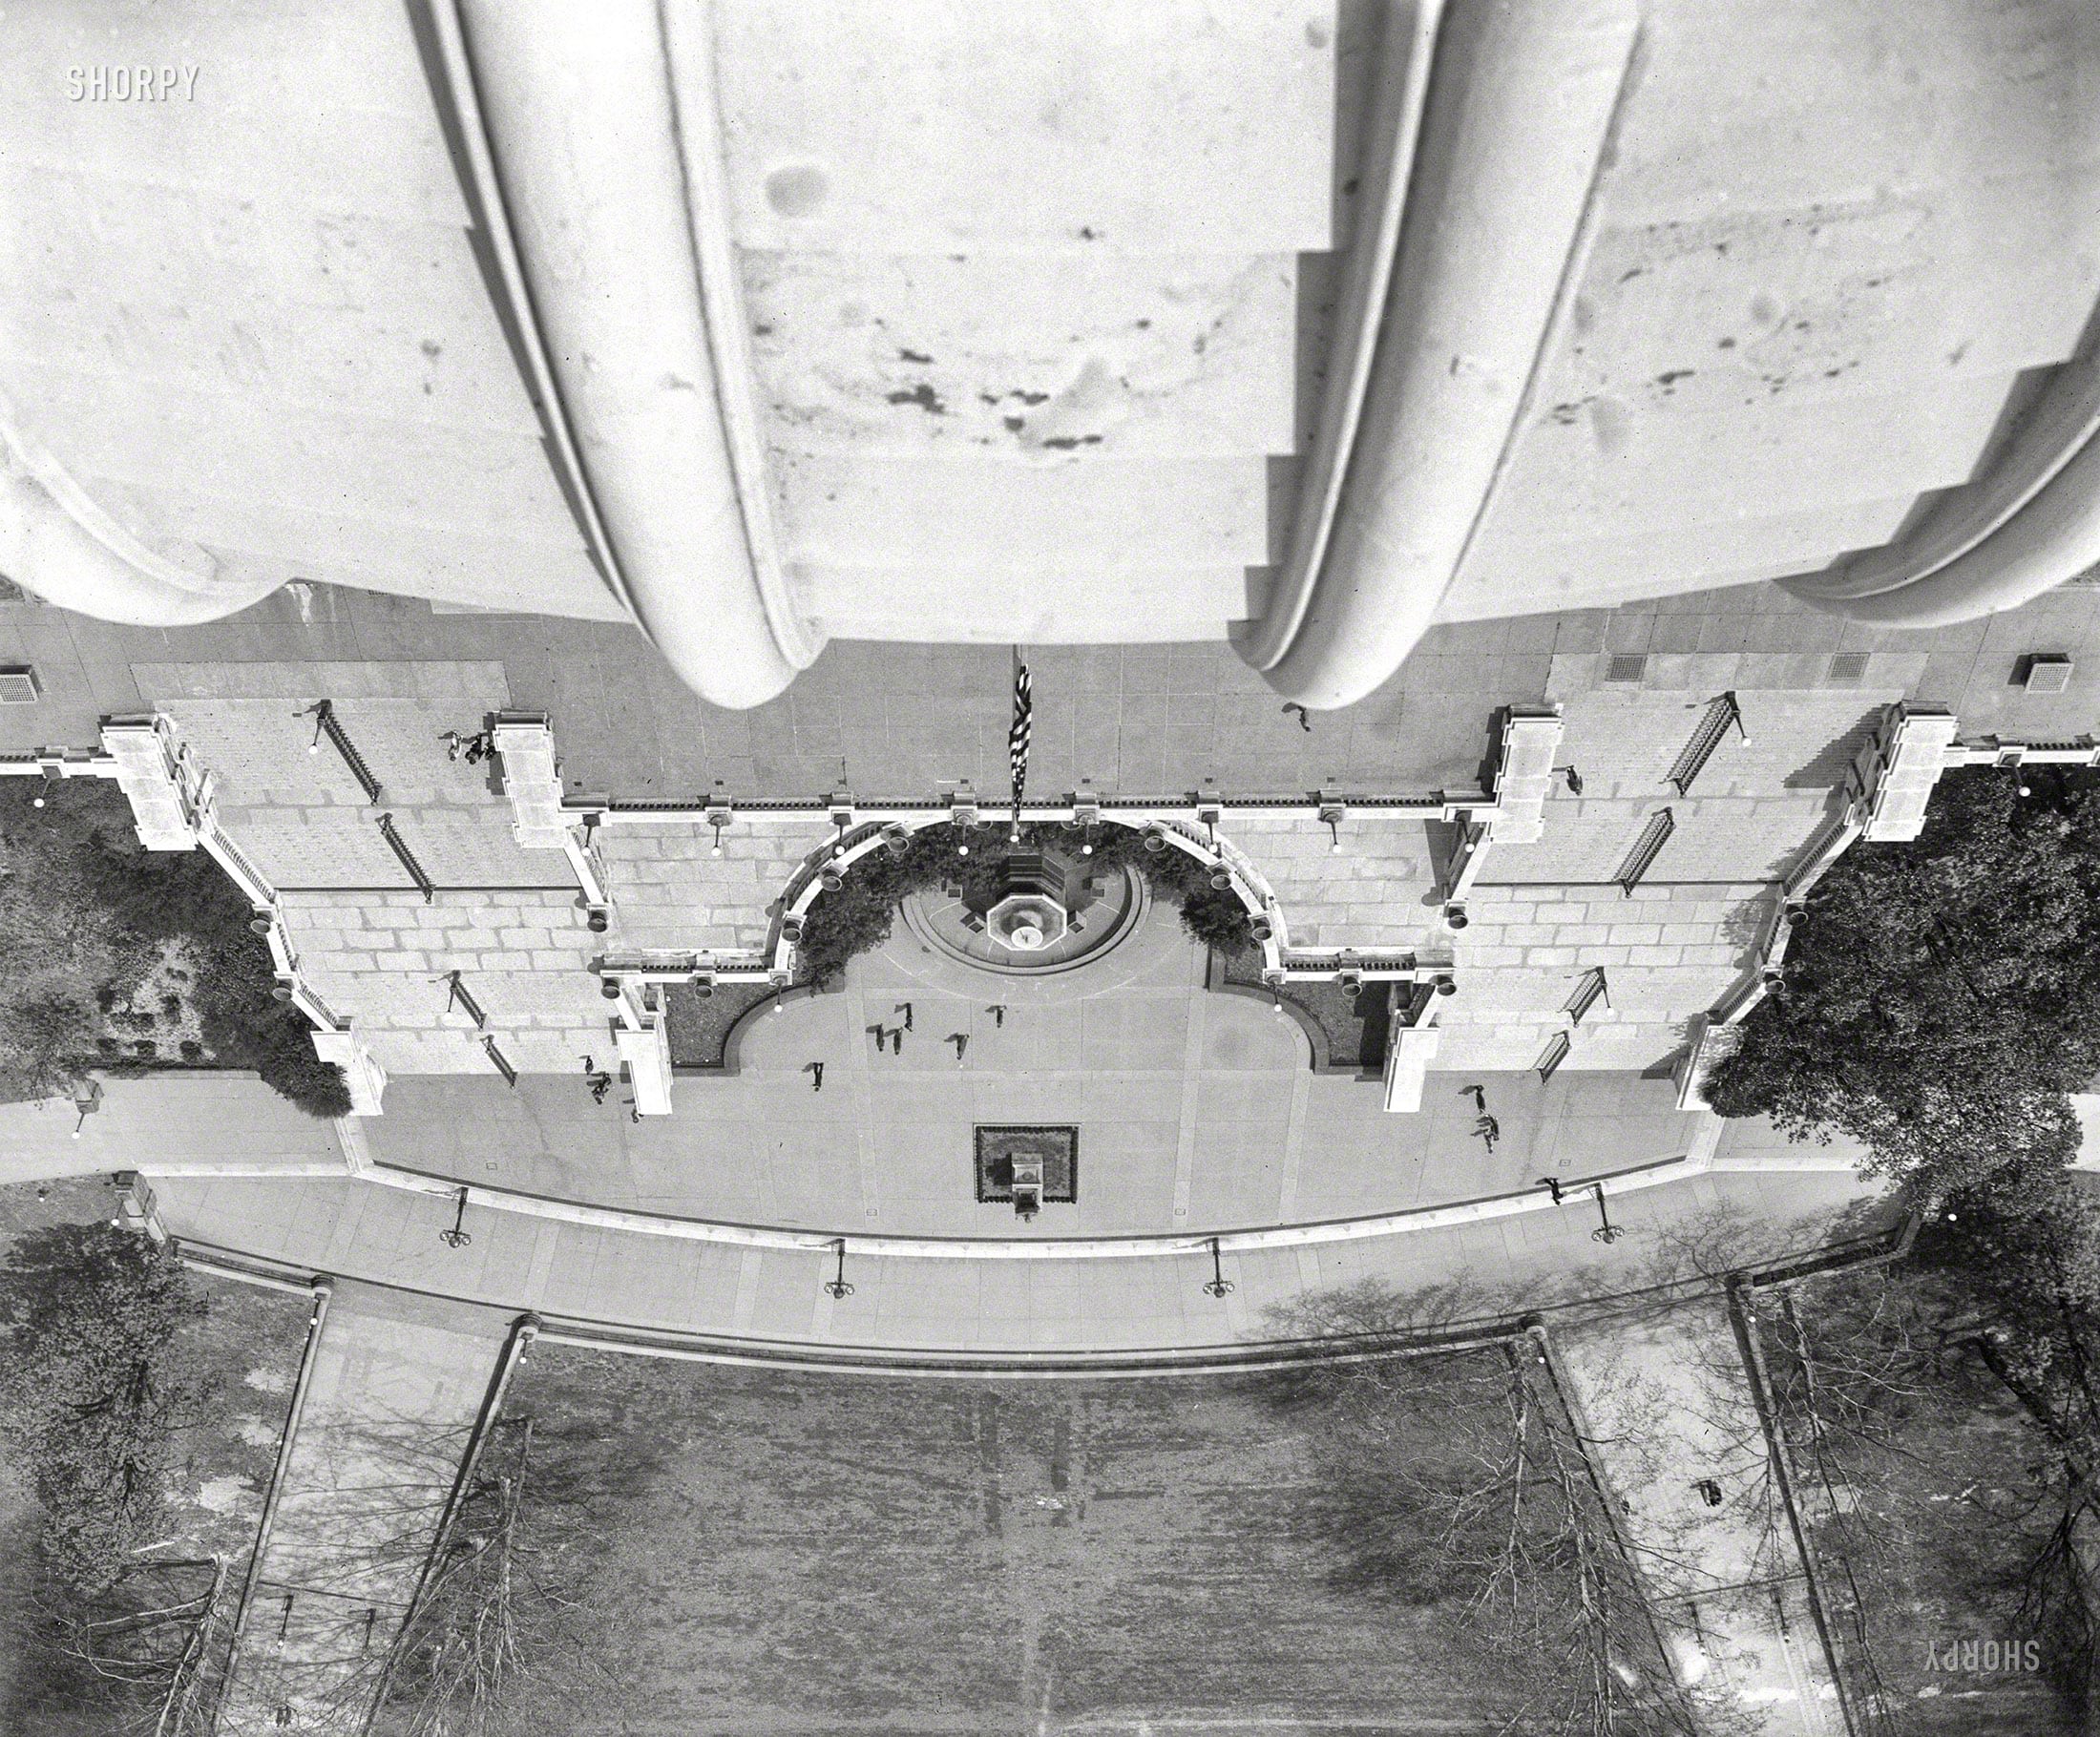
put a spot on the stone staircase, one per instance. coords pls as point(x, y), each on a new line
point(977, 246)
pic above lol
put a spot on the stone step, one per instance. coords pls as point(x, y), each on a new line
point(1076, 126)
point(898, 355)
point(318, 106)
point(997, 605)
point(1049, 517)
point(1614, 469)
point(1713, 551)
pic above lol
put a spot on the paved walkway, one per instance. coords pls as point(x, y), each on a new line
point(387, 1410)
point(775, 1297)
point(908, 720)
point(1667, 1403)
point(235, 1169)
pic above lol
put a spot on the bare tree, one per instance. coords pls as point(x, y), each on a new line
point(1459, 1480)
point(495, 1646)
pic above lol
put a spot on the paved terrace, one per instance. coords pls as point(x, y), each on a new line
point(912, 721)
point(508, 917)
point(1196, 1111)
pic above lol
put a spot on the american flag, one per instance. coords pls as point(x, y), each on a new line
point(1016, 738)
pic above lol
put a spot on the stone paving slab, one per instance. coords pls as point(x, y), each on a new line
point(671, 892)
point(1368, 885)
point(383, 962)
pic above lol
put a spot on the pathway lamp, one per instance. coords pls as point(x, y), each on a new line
point(837, 1287)
point(1607, 1231)
point(1217, 1285)
point(87, 1104)
point(1332, 816)
point(458, 1237)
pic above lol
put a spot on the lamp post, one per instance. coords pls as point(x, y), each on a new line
point(1217, 1285)
point(1607, 1231)
point(457, 1237)
point(837, 1287)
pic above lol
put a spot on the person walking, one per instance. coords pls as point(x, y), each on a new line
point(815, 1070)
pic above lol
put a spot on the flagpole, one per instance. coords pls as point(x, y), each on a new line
point(1017, 738)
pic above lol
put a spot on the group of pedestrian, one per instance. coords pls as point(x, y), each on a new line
point(472, 750)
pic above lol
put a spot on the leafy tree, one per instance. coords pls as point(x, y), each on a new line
point(87, 1389)
point(1943, 997)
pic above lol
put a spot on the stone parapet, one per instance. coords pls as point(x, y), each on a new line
point(146, 772)
point(1900, 769)
point(532, 779)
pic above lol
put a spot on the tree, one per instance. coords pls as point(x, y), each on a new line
point(89, 913)
point(1457, 1481)
point(494, 1648)
point(1943, 997)
point(1942, 1415)
point(87, 1390)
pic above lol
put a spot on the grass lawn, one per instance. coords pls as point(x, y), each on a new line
point(768, 1553)
point(241, 1360)
point(699, 1025)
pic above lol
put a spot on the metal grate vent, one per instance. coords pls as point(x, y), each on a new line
point(1626, 666)
point(18, 685)
point(2045, 673)
point(1848, 667)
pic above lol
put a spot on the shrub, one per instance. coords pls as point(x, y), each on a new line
point(46, 1039)
point(82, 858)
point(859, 915)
